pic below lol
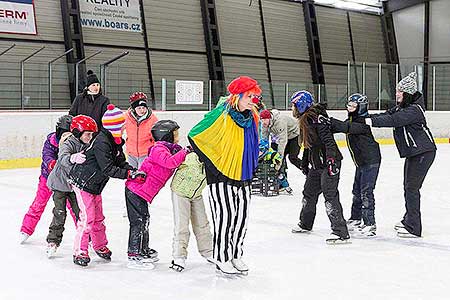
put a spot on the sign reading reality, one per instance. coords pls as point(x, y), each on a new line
point(123, 15)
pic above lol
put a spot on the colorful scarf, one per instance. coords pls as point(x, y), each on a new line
point(228, 140)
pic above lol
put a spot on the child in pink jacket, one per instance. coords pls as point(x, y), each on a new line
point(162, 161)
point(43, 194)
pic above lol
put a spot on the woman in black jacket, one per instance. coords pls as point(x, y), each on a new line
point(104, 159)
point(325, 158)
point(91, 102)
point(414, 142)
point(365, 153)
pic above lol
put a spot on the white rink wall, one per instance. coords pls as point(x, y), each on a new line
point(23, 133)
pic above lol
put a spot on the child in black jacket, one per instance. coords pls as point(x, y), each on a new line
point(365, 153)
point(104, 159)
point(325, 158)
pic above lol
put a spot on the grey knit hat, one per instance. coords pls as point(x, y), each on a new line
point(408, 84)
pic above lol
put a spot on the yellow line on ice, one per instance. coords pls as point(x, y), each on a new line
point(18, 163)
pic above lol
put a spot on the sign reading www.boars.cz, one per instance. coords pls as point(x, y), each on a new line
point(17, 16)
point(121, 15)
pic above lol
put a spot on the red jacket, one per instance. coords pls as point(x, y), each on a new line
point(139, 136)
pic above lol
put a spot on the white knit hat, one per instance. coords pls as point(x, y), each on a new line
point(408, 84)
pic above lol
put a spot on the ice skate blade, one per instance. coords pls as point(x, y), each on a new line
point(229, 275)
point(140, 266)
point(407, 236)
point(338, 242)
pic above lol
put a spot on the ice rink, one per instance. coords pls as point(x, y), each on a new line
point(282, 265)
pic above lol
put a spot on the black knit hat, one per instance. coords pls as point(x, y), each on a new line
point(91, 78)
point(142, 102)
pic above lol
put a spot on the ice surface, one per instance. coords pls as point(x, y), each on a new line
point(282, 265)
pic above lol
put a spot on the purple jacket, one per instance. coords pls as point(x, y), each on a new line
point(49, 153)
point(162, 160)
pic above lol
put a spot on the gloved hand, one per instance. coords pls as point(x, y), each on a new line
point(304, 166)
point(189, 149)
point(78, 158)
point(277, 159)
point(137, 176)
point(332, 167)
point(305, 170)
point(323, 120)
point(51, 165)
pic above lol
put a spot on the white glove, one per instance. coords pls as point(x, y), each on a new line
point(78, 158)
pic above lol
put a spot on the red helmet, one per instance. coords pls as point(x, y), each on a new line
point(137, 96)
point(82, 123)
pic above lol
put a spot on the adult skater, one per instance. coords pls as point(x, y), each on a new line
point(414, 142)
point(226, 140)
point(91, 102)
point(284, 133)
point(325, 158)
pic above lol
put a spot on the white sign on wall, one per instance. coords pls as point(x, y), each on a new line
point(188, 92)
point(122, 15)
point(17, 16)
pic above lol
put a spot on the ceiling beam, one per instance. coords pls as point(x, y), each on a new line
point(395, 5)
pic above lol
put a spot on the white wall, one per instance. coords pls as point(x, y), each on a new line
point(23, 133)
point(409, 33)
point(439, 30)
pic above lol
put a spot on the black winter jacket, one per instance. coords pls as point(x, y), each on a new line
point(360, 141)
point(104, 159)
point(323, 144)
point(93, 106)
point(411, 134)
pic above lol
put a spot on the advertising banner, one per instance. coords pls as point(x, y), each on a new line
point(17, 16)
point(123, 15)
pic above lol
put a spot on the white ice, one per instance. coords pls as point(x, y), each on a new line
point(282, 265)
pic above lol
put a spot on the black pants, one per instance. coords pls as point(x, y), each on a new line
point(139, 218)
point(317, 182)
point(56, 229)
point(415, 170)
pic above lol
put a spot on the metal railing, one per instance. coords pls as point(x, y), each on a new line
point(29, 83)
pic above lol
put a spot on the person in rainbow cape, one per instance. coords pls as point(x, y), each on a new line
point(226, 140)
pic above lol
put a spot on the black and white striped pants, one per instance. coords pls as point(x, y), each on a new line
point(229, 209)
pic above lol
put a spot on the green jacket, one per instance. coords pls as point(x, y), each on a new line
point(190, 178)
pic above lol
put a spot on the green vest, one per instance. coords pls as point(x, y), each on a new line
point(190, 178)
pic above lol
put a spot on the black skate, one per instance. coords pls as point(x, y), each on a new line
point(104, 253)
point(150, 253)
point(81, 259)
point(334, 239)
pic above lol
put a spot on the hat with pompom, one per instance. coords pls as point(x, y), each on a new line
point(408, 84)
point(91, 78)
point(113, 121)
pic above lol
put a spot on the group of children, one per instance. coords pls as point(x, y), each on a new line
point(81, 156)
point(322, 160)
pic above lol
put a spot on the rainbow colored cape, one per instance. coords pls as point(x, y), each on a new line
point(225, 146)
